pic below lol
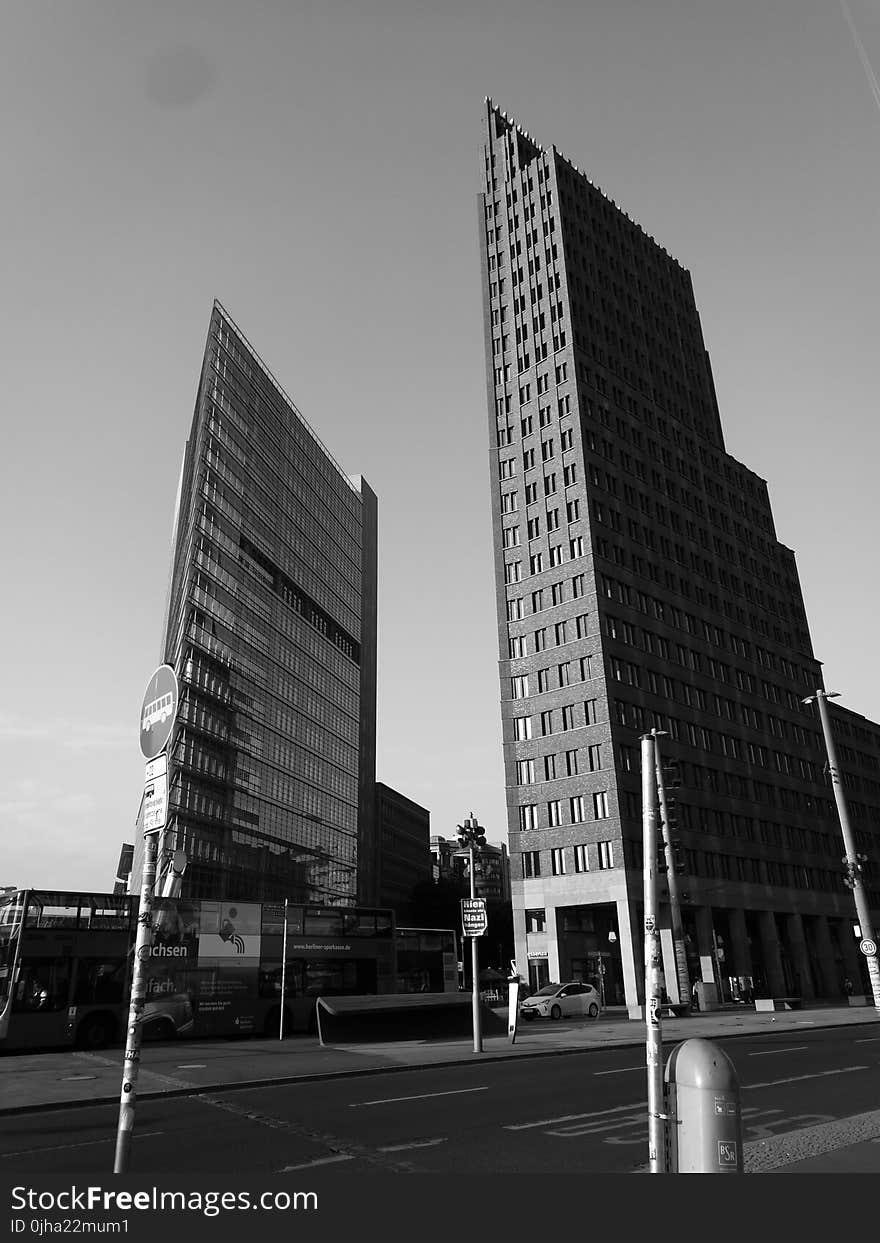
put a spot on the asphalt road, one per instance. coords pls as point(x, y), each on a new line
point(576, 1113)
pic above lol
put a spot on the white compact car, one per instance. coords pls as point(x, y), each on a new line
point(555, 1000)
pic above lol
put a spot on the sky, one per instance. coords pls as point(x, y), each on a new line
point(315, 166)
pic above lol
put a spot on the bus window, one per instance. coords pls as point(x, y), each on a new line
point(52, 915)
point(44, 985)
point(318, 923)
point(99, 980)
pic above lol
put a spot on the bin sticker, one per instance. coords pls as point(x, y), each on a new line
point(727, 1152)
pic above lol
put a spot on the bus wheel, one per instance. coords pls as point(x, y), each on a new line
point(96, 1031)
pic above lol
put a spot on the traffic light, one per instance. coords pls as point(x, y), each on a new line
point(471, 833)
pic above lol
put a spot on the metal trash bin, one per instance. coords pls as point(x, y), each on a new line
point(704, 1128)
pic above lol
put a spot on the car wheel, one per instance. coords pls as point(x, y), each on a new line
point(96, 1032)
point(556, 1012)
point(593, 1010)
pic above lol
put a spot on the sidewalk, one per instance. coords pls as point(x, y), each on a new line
point(32, 1082)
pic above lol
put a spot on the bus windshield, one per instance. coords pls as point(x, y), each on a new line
point(11, 911)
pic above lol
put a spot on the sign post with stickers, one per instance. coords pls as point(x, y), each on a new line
point(158, 712)
point(653, 962)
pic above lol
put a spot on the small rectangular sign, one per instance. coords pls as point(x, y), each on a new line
point(155, 768)
point(474, 920)
point(156, 804)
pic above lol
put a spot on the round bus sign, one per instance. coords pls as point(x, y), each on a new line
point(158, 711)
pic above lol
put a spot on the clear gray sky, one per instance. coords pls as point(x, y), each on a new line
point(315, 165)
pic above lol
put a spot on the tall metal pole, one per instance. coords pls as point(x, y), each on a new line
point(852, 860)
point(134, 1034)
point(283, 974)
point(475, 969)
point(653, 964)
point(681, 967)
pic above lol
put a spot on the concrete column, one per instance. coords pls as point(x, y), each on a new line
point(852, 957)
point(667, 946)
point(794, 928)
point(553, 954)
point(740, 954)
point(831, 984)
point(772, 957)
point(705, 945)
point(631, 954)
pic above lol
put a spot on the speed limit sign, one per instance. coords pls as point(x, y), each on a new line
point(868, 947)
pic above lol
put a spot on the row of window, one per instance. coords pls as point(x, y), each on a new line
point(578, 807)
point(530, 863)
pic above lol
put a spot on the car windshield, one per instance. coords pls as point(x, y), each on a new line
point(548, 990)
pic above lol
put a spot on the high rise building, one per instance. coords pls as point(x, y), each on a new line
point(271, 627)
point(640, 585)
point(403, 851)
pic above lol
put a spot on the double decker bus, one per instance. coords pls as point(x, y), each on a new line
point(214, 968)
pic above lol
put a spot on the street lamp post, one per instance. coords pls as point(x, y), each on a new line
point(472, 835)
point(852, 859)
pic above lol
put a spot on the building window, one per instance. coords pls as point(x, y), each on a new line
point(517, 647)
point(549, 767)
point(577, 586)
point(557, 861)
point(559, 633)
point(564, 671)
point(606, 855)
point(536, 921)
point(519, 687)
point(576, 809)
point(540, 640)
point(531, 863)
point(515, 609)
point(522, 728)
point(525, 772)
point(575, 546)
point(571, 763)
point(528, 817)
point(590, 707)
point(600, 805)
point(546, 723)
point(595, 756)
point(554, 813)
point(543, 681)
point(556, 593)
point(555, 555)
point(581, 859)
point(568, 717)
point(536, 563)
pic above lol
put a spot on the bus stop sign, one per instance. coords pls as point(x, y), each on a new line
point(158, 711)
point(474, 920)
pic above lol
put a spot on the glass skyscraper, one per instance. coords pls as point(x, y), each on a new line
point(271, 627)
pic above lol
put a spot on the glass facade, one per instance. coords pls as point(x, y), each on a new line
point(271, 627)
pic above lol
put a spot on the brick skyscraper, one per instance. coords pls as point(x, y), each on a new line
point(640, 585)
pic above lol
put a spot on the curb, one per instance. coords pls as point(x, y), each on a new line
point(319, 1076)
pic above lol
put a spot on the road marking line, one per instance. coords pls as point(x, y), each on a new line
point(623, 1070)
point(601, 1113)
point(193, 1066)
point(76, 1078)
point(86, 1143)
point(424, 1096)
point(307, 1165)
point(416, 1143)
point(867, 1040)
point(843, 1070)
point(795, 1048)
